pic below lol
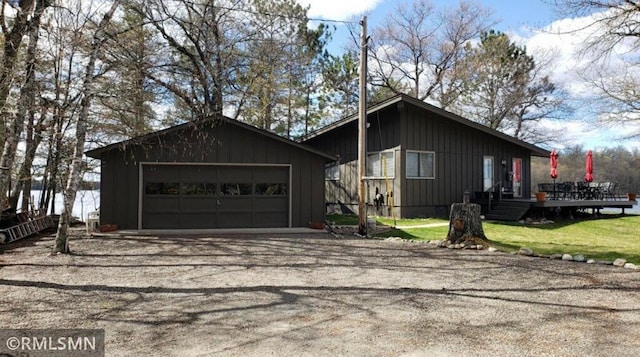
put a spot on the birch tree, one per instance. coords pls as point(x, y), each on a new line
point(26, 20)
point(100, 36)
point(26, 108)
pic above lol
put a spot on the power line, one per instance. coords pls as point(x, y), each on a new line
point(253, 12)
point(334, 21)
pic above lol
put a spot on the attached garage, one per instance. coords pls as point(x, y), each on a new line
point(211, 174)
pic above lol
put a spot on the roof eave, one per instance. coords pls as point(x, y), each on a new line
point(97, 153)
point(535, 150)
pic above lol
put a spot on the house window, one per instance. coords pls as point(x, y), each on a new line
point(421, 164)
point(381, 164)
point(332, 171)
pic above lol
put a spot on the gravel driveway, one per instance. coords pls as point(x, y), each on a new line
point(315, 295)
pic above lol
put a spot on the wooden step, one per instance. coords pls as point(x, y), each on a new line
point(507, 211)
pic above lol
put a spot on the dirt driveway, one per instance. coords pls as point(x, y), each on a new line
point(299, 295)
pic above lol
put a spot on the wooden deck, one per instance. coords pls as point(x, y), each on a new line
point(509, 209)
point(597, 204)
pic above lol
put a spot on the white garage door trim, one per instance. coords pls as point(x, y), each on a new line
point(141, 180)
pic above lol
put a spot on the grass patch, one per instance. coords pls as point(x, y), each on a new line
point(606, 238)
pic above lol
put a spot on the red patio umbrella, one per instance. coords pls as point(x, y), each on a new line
point(554, 170)
point(589, 167)
point(554, 164)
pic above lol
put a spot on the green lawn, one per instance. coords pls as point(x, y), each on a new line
point(605, 238)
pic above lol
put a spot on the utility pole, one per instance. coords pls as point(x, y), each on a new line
point(362, 131)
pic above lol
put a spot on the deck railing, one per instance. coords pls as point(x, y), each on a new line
point(580, 190)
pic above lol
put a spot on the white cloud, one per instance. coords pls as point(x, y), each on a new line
point(338, 9)
point(562, 42)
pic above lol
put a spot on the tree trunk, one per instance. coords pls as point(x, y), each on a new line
point(54, 157)
point(33, 140)
point(26, 108)
point(27, 19)
point(75, 173)
point(465, 225)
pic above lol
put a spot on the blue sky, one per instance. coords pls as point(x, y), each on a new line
point(528, 22)
point(514, 15)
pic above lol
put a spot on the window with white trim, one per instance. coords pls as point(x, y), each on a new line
point(421, 165)
point(379, 163)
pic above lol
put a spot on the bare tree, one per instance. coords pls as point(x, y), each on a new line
point(613, 22)
point(418, 46)
point(200, 50)
point(613, 43)
point(100, 36)
point(25, 114)
point(66, 35)
point(26, 20)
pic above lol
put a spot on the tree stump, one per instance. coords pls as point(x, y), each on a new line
point(465, 225)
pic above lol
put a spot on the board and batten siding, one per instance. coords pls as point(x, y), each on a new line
point(382, 135)
point(459, 150)
point(222, 143)
point(405, 124)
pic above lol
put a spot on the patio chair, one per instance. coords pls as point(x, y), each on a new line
point(608, 190)
point(570, 190)
point(582, 189)
point(595, 193)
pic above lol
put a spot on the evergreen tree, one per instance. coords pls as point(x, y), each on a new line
point(505, 90)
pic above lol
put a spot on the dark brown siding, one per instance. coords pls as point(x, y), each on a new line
point(224, 143)
point(459, 150)
point(382, 134)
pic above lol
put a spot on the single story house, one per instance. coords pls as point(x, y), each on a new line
point(421, 158)
point(211, 174)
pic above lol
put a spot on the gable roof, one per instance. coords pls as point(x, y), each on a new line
point(535, 150)
point(98, 152)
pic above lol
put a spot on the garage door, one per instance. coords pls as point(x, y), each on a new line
point(211, 196)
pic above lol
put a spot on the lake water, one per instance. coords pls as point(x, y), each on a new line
point(86, 201)
point(634, 210)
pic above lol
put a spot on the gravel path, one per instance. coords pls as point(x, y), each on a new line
point(314, 295)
